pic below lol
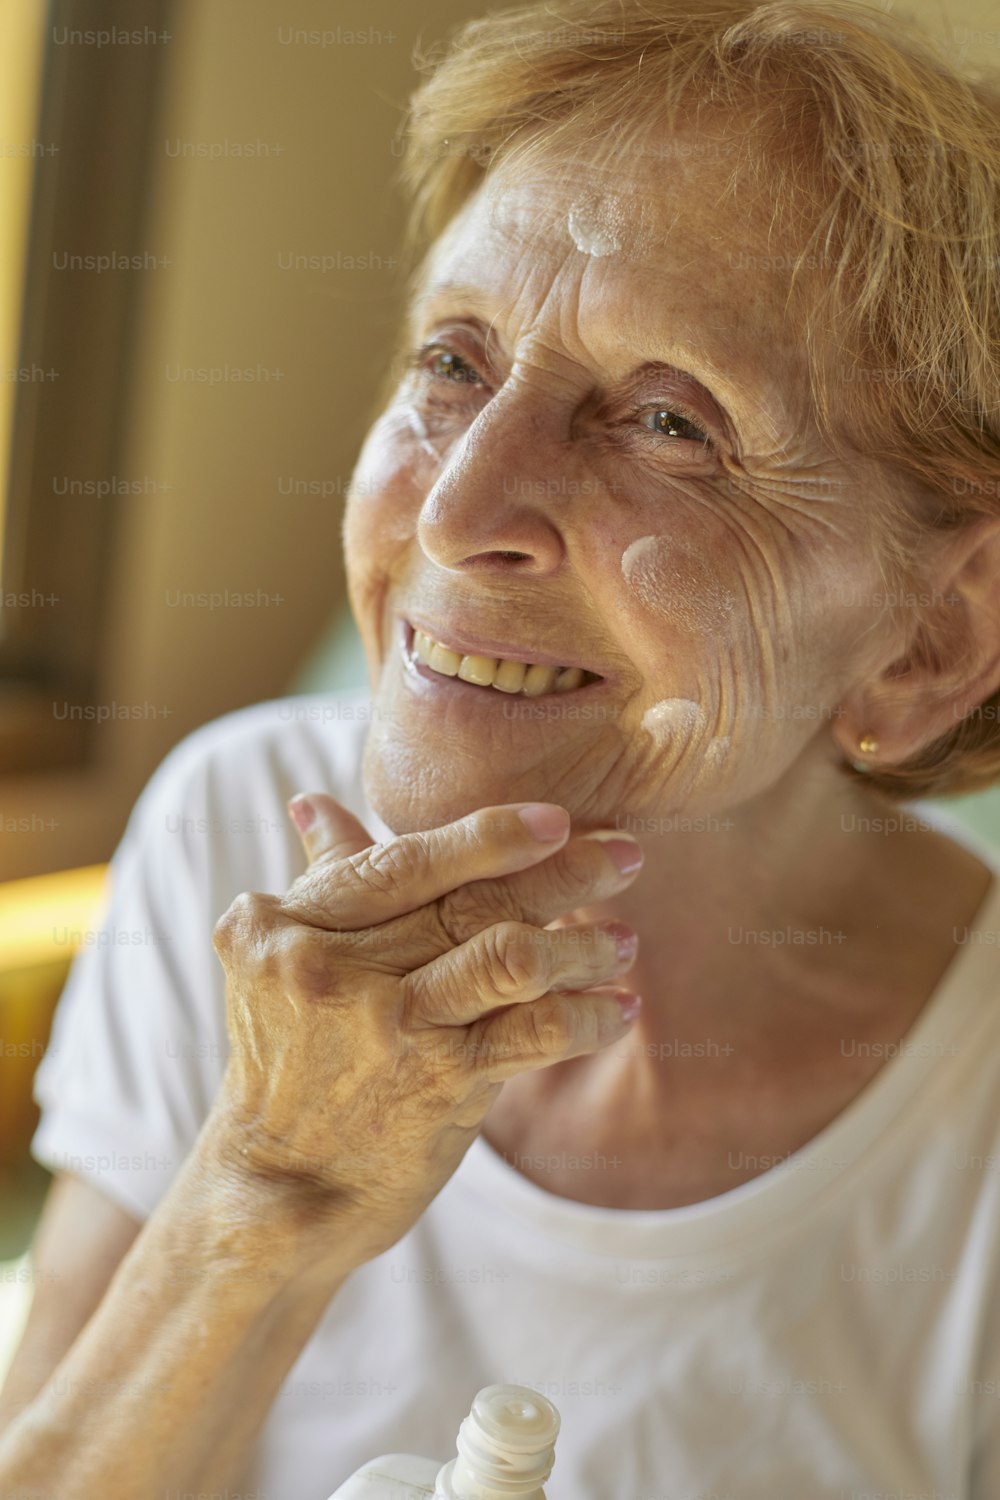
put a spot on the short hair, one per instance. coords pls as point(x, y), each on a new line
point(870, 139)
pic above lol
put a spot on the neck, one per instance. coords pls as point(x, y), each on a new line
point(814, 909)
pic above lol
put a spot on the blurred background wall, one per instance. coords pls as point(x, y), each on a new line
point(179, 430)
point(236, 484)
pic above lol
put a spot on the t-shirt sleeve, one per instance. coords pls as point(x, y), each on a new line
point(139, 1040)
point(985, 1395)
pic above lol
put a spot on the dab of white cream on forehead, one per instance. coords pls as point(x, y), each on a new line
point(594, 225)
point(671, 717)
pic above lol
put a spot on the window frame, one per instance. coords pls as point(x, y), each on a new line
point(91, 197)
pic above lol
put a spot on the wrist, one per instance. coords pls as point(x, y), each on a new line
point(284, 1225)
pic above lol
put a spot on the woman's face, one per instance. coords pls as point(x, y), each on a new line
point(605, 459)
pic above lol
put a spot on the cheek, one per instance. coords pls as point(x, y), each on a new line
point(673, 718)
point(735, 617)
point(385, 492)
point(674, 581)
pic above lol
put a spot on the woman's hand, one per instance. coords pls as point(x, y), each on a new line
point(375, 1011)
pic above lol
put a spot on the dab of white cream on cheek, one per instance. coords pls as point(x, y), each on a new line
point(675, 722)
point(672, 581)
point(672, 718)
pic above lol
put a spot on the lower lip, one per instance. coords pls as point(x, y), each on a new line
point(425, 680)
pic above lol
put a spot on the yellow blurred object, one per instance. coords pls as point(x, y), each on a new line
point(22, 42)
point(43, 922)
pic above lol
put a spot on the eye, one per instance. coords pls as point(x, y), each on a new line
point(668, 421)
point(436, 362)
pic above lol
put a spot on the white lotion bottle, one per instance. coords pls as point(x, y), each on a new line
point(505, 1452)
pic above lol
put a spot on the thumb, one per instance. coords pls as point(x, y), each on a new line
point(326, 829)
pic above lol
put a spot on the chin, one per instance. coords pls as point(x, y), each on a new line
point(411, 792)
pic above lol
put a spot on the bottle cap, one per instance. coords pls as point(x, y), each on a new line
point(505, 1446)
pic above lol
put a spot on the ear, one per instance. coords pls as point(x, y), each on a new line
point(951, 663)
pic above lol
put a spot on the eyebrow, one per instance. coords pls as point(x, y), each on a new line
point(745, 420)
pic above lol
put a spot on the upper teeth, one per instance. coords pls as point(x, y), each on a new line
point(489, 671)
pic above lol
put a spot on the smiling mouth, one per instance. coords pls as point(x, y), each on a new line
point(524, 678)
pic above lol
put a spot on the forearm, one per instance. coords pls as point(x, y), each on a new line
point(170, 1380)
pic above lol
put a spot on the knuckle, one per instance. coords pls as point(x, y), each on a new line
point(443, 1003)
point(239, 926)
point(304, 965)
point(384, 868)
point(484, 1045)
point(466, 911)
point(553, 1025)
point(478, 831)
point(439, 928)
point(600, 952)
point(577, 876)
point(511, 962)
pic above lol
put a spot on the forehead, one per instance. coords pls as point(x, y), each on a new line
point(672, 260)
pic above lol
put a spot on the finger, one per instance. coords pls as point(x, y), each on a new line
point(386, 880)
point(513, 963)
point(590, 868)
point(327, 830)
point(524, 1038)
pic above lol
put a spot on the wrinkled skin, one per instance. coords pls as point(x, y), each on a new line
point(375, 1010)
point(519, 495)
point(757, 539)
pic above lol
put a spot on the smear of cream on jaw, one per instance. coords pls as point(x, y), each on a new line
point(671, 717)
point(715, 751)
point(674, 581)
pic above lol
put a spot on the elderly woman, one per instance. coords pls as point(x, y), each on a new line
point(674, 553)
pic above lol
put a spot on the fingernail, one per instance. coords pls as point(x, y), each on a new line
point(544, 821)
point(626, 852)
point(626, 941)
point(302, 812)
point(631, 1006)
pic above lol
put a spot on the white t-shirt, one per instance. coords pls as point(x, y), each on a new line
point(829, 1330)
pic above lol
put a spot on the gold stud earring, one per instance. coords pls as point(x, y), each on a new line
point(868, 744)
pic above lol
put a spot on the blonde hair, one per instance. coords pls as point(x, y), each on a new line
point(877, 145)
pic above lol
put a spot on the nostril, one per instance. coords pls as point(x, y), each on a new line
point(486, 559)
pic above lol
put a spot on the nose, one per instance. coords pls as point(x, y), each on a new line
point(498, 500)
